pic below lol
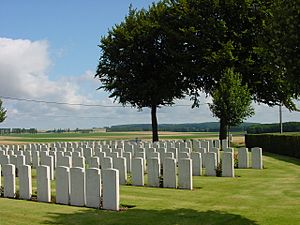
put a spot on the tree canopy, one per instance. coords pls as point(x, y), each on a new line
point(136, 65)
point(179, 47)
point(225, 33)
point(280, 41)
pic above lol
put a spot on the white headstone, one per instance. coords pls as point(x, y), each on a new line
point(9, 173)
point(78, 161)
point(111, 195)
point(210, 163)
point(137, 172)
point(120, 164)
point(4, 159)
point(185, 178)
point(48, 161)
point(94, 162)
point(196, 163)
point(128, 157)
point(25, 182)
point(217, 151)
point(64, 161)
point(169, 173)
point(77, 186)
point(224, 144)
point(43, 184)
point(153, 168)
point(257, 161)
point(62, 178)
point(227, 164)
point(243, 158)
point(93, 188)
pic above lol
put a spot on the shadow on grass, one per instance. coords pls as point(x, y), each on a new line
point(148, 217)
point(284, 158)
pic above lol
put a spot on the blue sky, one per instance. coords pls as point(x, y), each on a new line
point(48, 51)
point(72, 27)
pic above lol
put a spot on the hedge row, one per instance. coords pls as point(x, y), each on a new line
point(280, 144)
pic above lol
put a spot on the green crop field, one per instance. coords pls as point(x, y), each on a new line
point(56, 137)
point(255, 197)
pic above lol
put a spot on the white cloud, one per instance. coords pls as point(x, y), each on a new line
point(24, 69)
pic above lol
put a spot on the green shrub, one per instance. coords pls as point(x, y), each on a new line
point(283, 144)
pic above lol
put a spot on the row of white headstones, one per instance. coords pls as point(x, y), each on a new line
point(119, 158)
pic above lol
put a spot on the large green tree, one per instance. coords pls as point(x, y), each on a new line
point(280, 41)
point(231, 102)
point(137, 65)
point(222, 34)
point(2, 112)
point(226, 33)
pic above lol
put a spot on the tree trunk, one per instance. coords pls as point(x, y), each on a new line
point(154, 123)
point(223, 129)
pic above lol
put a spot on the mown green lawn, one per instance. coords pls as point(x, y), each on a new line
point(270, 196)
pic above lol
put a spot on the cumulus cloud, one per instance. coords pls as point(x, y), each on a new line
point(24, 73)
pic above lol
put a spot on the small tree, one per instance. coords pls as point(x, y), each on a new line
point(2, 113)
point(231, 102)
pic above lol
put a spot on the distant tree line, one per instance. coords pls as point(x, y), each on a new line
point(186, 127)
point(18, 131)
point(273, 128)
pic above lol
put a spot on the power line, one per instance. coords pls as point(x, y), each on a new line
point(62, 116)
point(79, 104)
point(59, 103)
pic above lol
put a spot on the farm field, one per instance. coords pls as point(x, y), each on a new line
point(255, 197)
point(54, 137)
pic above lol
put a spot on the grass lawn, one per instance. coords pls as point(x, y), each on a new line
point(269, 196)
